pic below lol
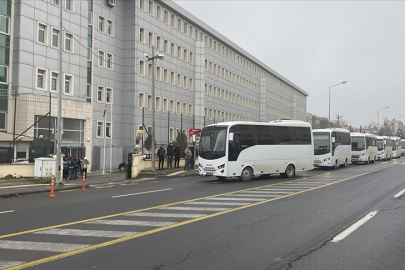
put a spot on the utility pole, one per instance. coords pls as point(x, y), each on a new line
point(61, 79)
point(338, 119)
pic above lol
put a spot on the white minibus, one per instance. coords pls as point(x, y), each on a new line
point(245, 149)
point(332, 147)
point(384, 148)
point(364, 147)
point(396, 147)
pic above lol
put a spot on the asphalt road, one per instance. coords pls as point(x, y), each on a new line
point(204, 223)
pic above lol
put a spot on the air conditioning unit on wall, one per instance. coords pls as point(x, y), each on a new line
point(111, 3)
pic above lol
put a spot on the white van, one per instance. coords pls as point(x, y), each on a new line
point(384, 148)
point(396, 143)
point(364, 147)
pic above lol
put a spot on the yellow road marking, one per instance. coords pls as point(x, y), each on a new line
point(130, 184)
point(68, 190)
point(176, 173)
point(104, 186)
point(33, 185)
point(123, 239)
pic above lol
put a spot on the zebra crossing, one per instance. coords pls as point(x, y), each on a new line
point(88, 233)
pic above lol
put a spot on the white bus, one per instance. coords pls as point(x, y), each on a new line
point(402, 147)
point(245, 149)
point(332, 147)
point(364, 147)
point(396, 147)
point(384, 148)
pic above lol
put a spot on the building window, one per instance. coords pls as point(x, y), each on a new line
point(158, 73)
point(171, 134)
point(41, 79)
point(184, 108)
point(109, 95)
point(166, 16)
point(68, 85)
point(55, 38)
point(149, 102)
point(3, 118)
point(179, 24)
point(158, 12)
point(149, 70)
point(69, 42)
point(185, 55)
point(150, 7)
point(42, 33)
point(110, 28)
point(185, 82)
point(55, 2)
point(4, 24)
point(100, 129)
point(108, 130)
point(141, 100)
point(171, 106)
point(101, 23)
point(54, 81)
point(179, 52)
point(109, 61)
point(157, 104)
point(172, 78)
point(150, 39)
point(191, 58)
point(158, 43)
point(172, 50)
point(166, 46)
point(165, 75)
point(69, 5)
point(185, 28)
point(173, 21)
point(178, 107)
point(142, 35)
point(178, 80)
point(165, 104)
point(100, 94)
point(142, 5)
point(191, 85)
point(101, 55)
point(3, 75)
point(190, 109)
point(141, 67)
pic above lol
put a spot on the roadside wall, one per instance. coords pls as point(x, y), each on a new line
point(17, 170)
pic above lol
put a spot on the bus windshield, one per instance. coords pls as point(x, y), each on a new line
point(358, 144)
point(403, 144)
point(213, 142)
point(394, 145)
point(380, 145)
point(321, 143)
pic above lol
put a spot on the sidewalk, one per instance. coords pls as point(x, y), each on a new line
point(15, 187)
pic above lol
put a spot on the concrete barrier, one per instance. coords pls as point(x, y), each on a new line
point(17, 170)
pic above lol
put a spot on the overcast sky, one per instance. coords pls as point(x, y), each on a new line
point(316, 44)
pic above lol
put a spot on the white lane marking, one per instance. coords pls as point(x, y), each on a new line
point(131, 223)
point(266, 192)
point(6, 264)
point(251, 195)
point(218, 203)
point(90, 233)
point(195, 208)
point(174, 215)
point(300, 185)
point(9, 211)
point(354, 227)
point(399, 194)
point(39, 246)
point(152, 191)
point(291, 189)
point(236, 199)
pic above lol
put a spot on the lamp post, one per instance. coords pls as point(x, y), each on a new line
point(329, 95)
point(153, 59)
point(378, 117)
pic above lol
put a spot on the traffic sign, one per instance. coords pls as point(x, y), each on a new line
point(194, 131)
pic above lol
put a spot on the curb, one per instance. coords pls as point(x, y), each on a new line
point(12, 195)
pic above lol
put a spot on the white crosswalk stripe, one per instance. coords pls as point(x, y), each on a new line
point(267, 192)
point(39, 246)
point(291, 189)
point(131, 223)
point(235, 199)
point(218, 203)
point(6, 264)
point(194, 208)
point(173, 215)
point(252, 195)
point(94, 233)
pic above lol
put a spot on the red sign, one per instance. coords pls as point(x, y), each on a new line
point(194, 131)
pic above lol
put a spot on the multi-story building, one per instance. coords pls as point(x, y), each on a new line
point(204, 77)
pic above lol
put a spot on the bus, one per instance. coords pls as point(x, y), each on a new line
point(246, 149)
point(332, 147)
point(402, 147)
point(396, 147)
point(384, 148)
point(364, 148)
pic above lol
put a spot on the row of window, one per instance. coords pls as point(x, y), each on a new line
point(104, 128)
point(225, 95)
point(196, 34)
point(48, 80)
point(230, 76)
point(69, 4)
point(105, 26)
point(43, 33)
point(273, 80)
point(165, 105)
point(278, 113)
point(166, 76)
point(165, 46)
point(278, 98)
point(105, 59)
point(104, 94)
point(220, 116)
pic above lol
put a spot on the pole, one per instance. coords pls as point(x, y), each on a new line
point(49, 123)
point(193, 120)
point(329, 105)
point(61, 79)
point(105, 135)
point(111, 140)
point(168, 128)
point(143, 124)
point(15, 114)
point(181, 123)
point(153, 110)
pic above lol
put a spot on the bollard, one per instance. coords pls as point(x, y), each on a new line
point(52, 187)
point(84, 181)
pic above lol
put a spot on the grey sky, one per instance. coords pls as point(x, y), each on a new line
point(316, 44)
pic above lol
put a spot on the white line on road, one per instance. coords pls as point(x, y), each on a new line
point(174, 215)
point(252, 195)
point(39, 246)
point(6, 264)
point(354, 227)
point(291, 189)
point(267, 192)
point(236, 199)
point(139, 193)
point(90, 233)
point(131, 223)
point(218, 203)
point(399, 194)
point(9, 211)
point(194, 208)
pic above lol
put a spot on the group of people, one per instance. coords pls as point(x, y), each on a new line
point(72, 165)
point(175, 152)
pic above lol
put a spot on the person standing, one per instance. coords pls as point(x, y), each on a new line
point(177, 152)
point(85, 163)
point(187, 157)
point(170, 155)
point(192, 159)
point(65, 168)
point(161, 154)
point(72, 168)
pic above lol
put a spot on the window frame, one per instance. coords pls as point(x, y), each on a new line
point(71, 84)
point(44, 79)
point(102, 60)
point(52, 34)
point(108, 136)
point(141, 96)
point(111, 61)
point(57, 81)
point(45, 33)
point(102, 88)
point(111, 24)
point(72, 5)
point(72, 43)
point(101, 19)
point(102, 129)
point(111, 90)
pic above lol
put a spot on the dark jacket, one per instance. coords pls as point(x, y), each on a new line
point(192, 152)
point(161, 152)
point(170, 151)
point(71, 163)
point(177, 151)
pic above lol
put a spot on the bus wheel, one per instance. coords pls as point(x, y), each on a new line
point(336, 165)
point(368, 161)
point(344, 164)
point(247, 174)
point(289, 171)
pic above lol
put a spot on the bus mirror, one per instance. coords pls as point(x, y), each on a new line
point(231, 136)
point(333, 139)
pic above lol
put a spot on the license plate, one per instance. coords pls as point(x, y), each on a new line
point(209, 173)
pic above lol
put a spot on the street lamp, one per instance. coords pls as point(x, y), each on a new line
point(329, 96)
point(398, 117)
point(378, 117)
point(153, 59)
